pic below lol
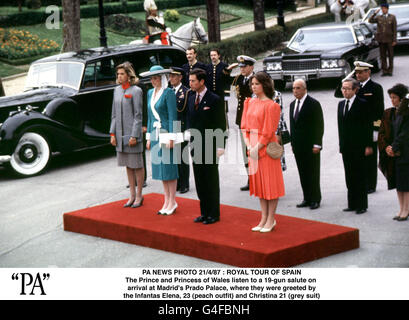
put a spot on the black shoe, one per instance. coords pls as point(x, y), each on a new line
point(303, 204)
point(348, 209)
point(245, 188)
point(199, 219)
point(360, 211)
point(402, 219)
point(183, 190)
point(210, 220)
point(137, 205)
point(384, 74)
point(370, 191)
point(314, 205)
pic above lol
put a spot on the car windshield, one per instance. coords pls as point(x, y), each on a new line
point(399, 12)
point(54, 74)
point(320, 38)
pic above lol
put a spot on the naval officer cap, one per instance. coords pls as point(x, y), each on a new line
point(245, 61)
point(177, 70)
point(384, 4)
point(359, 65)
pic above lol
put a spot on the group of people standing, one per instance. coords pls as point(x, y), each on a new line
point(188, 101)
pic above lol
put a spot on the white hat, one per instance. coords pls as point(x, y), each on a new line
point(359, 65)
point(245, 61)
point(149, 5)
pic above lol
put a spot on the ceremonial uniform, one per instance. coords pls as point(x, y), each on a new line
point(187, 68)
point(386, 33)
point(218, 78)
point(181, 101)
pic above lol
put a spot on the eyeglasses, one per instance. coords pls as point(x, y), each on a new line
point(346, 89)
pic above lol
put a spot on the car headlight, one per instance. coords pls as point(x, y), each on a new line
point(329, 64)
point(273, 66)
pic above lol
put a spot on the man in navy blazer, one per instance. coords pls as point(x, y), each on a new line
point(206, 121)
point(307, 129)
point(355, 141)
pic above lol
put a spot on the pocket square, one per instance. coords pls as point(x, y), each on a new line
point(368, 94)
point(128, 96)
point(206, 108)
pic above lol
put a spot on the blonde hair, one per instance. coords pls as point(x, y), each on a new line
point(127, 66)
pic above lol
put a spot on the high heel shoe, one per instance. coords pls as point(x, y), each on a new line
point(268, 230)
point(402, 218)
point(138, 204)
point(171, 211)
point(128, 204)
point(256, 228)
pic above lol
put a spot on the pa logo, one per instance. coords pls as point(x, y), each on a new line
point(32, 283)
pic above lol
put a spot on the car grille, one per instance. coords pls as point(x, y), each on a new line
point(296, 65)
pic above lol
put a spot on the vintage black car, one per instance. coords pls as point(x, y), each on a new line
point(67, 101)
point(401, 11)
point(323, 51)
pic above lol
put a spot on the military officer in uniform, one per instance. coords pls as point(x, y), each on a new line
point(192, 63)
point(386, 36)
point(372, 92)
point(218, 74)
point(175, 79)
point(243, 91)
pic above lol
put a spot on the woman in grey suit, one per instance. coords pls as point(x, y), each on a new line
point(126, 130)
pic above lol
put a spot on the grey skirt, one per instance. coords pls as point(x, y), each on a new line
point(130, 160)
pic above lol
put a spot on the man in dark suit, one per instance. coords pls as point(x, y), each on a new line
point(175, 78)
point(192, 63)
point(243, 91)
point(372, 92)
point(355, 141)
point(204, 116)
point(307, 129)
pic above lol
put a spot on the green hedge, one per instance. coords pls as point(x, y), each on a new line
point(90, 11)
point(254, 43)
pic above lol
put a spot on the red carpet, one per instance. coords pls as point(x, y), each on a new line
point(229, 241)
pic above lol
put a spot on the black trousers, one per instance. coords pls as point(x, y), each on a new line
point(184, 167)
point(372, 168)
point(355, 177)
point(208, 189)
point(308, 165)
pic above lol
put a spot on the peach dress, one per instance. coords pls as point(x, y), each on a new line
point(259, 123)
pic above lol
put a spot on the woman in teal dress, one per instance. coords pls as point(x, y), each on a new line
point(161, 135)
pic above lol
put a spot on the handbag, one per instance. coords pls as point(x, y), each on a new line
point(285, 136)
point(274, 149)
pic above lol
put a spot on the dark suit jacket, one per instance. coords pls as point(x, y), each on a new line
point(210, 115)
point(243, 92)
point(373, 93)
point(401, 139)
point(308, 130)
point(354, 130)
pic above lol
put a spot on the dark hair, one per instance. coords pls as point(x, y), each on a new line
point(400, 90)
point(200, 74)
point(266, 82)
point(192, 48)
point(215, 49)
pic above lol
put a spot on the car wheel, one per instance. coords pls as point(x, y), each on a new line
point(31, 155)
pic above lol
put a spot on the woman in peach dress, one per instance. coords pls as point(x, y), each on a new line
point(259, 124)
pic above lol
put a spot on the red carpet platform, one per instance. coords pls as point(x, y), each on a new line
point(230, 241)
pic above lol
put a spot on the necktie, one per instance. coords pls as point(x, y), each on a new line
point(245, 80)
point(346, 108)
point(297, 110)
point(197, 102)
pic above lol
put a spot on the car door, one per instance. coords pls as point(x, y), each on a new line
point(96, 94)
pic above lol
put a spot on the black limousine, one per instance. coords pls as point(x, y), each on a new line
point(323, 51)
point(67, 101)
